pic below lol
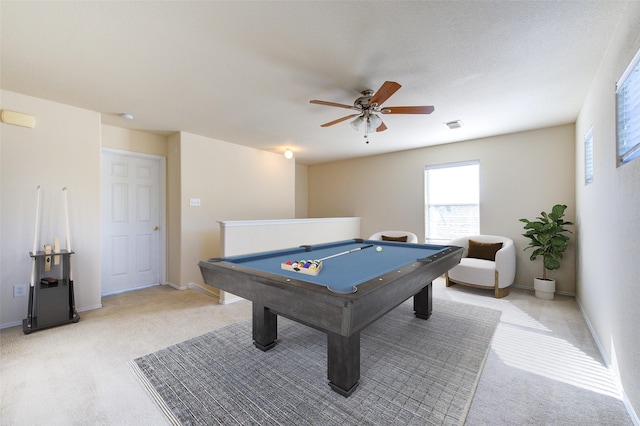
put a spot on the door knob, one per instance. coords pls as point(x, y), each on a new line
point(155, 228)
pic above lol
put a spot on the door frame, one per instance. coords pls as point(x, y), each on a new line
point(162, 209)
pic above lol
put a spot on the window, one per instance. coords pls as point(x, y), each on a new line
point(628, 112)
point(452, 201)
point(588, 157)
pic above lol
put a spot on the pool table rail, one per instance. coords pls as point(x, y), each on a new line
point(340, 316)
point(317, 306)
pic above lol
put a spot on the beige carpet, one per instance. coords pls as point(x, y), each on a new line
point(78, 374)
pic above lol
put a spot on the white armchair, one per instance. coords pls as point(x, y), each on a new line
point(478, 270)
point(411, 237)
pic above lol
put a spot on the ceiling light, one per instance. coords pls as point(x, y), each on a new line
point(454, 124)
point(357, 122)
point(126, 116)
point(288, 154)
point(373, 122)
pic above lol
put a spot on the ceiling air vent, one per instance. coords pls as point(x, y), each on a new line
point(454, 124)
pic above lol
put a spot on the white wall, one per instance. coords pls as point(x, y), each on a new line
point(133, 141)
point(608, 220)
point(63, 149)
point(521, 175)
point(174, 212)
point(233, 182)
point(253, 236)
point(302, 195)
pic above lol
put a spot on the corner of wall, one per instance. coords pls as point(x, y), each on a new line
point(174, 214)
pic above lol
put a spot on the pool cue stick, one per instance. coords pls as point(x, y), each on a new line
point(56, 249)
point(33, 259)
point(72, 302)
point(345, 252)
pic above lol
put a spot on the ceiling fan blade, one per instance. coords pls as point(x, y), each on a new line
point(408, 110)
point(339, 120)
point(381, 128)
point(385, 91)
point(332, 104)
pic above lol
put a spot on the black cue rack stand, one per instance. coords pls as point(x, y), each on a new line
point(51, 299)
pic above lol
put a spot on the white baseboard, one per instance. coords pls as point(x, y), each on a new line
point(111, 293)
point(19, 323)
point(528, 288)
point(607, 363)
point(630, 410)
point(176, 286)
point(90, 308)
point(523, 287)
point(226, 300)
point(11, 324)
point(229, 298)
point(204, 289)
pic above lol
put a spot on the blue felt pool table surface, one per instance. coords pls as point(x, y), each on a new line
point(342, 273)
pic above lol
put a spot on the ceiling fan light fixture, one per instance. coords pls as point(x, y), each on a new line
point(357, 122)
point(373, 122)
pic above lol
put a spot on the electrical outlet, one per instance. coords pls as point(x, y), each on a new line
point(19, 290)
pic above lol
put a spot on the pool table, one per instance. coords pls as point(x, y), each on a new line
point(352, 290)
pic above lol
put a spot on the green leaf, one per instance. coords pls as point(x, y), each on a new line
point(546, 236)
point(550, 263)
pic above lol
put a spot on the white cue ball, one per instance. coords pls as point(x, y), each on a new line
point(379, 248)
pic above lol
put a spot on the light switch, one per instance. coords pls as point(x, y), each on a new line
point(194, 202)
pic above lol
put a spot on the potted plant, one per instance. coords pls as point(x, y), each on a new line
point(547, 238)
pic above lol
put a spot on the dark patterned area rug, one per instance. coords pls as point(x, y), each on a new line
point(413, 372)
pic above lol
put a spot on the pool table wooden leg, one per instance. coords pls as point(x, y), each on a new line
point(265, 327)
point(422, 302)
point(343, 362)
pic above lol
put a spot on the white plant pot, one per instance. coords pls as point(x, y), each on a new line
point(545, 289)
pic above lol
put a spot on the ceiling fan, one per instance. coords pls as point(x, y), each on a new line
point(369, 105)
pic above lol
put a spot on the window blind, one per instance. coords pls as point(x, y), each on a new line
point(628, 112)
point(588, 157)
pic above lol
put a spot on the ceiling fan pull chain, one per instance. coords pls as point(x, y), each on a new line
point(366, 130)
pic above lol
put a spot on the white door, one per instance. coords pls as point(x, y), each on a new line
point(131, 221)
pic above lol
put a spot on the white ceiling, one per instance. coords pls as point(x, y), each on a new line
point(244, 72)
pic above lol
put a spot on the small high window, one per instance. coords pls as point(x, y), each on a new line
point(588, 157)
point(628, 112)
